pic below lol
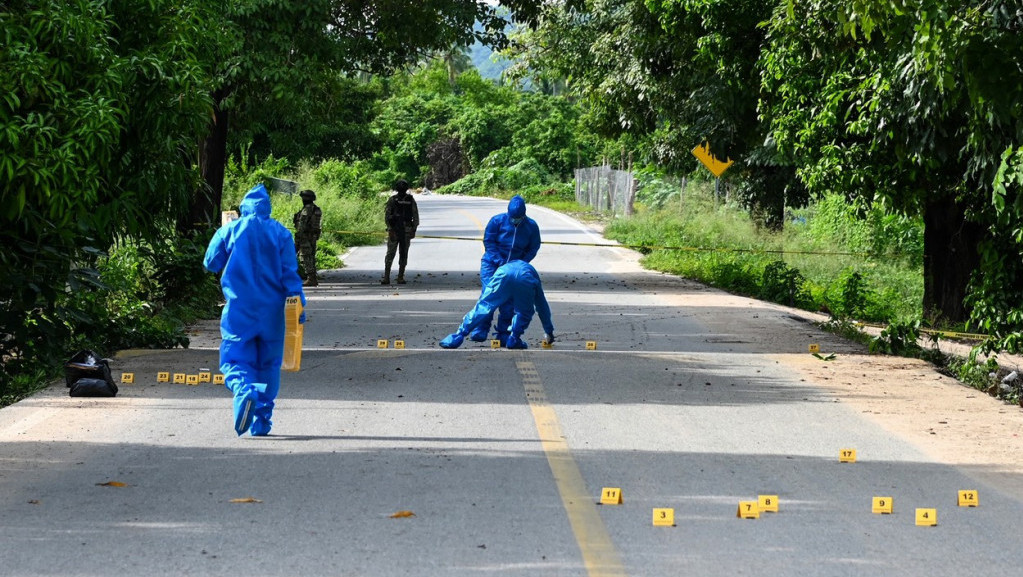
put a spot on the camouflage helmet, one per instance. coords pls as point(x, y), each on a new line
point(307, 194)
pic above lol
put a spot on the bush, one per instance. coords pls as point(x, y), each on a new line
point(342, 179)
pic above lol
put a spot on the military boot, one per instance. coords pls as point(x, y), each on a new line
point(401, 276)
point(386, 279)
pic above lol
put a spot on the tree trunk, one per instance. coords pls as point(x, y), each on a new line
point(205, 209)
point(950, 257)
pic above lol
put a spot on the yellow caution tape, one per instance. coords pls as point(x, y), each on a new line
point(630, 246)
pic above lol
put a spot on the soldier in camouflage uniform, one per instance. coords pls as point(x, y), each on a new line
point(307, 233)
point(402, 217)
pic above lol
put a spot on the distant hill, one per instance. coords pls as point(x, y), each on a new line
point(489, 64)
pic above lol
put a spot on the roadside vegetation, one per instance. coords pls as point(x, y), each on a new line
point(831, 256)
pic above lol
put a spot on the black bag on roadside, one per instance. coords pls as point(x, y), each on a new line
point(88, 366)
point(87, 387)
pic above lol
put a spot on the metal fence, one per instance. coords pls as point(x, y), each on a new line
point(604, 188)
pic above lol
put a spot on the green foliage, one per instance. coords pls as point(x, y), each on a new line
point(898, 338)
point(347, 179)
point(784, 284)
point(95, 117)
point(499, 181)
point(720, 245)
point(240, 176)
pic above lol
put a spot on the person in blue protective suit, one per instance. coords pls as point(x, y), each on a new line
point(517, 285)
point(509, 236)
point(255, 256)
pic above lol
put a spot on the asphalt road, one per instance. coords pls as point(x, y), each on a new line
point(499, 456)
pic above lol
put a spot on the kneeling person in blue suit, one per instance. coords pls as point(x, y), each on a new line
point(518, 284)
point(256, 256)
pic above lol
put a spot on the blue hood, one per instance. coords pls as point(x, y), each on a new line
point(256, 202)
point(517, 207)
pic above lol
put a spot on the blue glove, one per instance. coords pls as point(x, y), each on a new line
point(515, 342)
point(452, 341)
point(301, 318)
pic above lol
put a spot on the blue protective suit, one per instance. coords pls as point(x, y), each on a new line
point(517, 285)
point(509, 236)
point(256, 256)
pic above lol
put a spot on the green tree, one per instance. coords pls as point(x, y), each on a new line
point(288, 49)
point(676, 73)
point(908, 102)
point(103, 104)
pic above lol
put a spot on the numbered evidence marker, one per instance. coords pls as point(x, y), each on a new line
point(399, 344)
point(591, 345)
point(748, 510)
point(179, 378)
point(495, 344)
point(192, 380)
point(881, 506)
point(664, 517)
point(546, 345)
point(127, 378)
point(611, 496)
point(218, 379)
point(847, 456)
point(767, 503)
point(968, 499)
point(382, 343)
point(163, 377)
point(205, 376)
point(815, 348)
point(927, 517)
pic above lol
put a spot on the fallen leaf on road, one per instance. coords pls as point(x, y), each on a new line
point(245, 500)
point(33, 501)
point(403, 514)
point(112, 484)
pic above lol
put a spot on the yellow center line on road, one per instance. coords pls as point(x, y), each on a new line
point(600, 556)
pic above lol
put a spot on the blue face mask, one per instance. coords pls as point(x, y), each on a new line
point(516, 221)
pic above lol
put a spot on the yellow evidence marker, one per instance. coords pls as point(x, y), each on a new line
point(748, 510)
point(664, 517)
point(294, 333)
point(611, 496)
point(382, 343)
point(179, 378)
point(218, 379)
point(881, 505)
point(127, 378)
point(968, 499)
point(546, 345)
point(927, 517)
point(205, 376)
point(495, 344)
point(163, 377)
point(847, 456)
point(399, 344)
point(815, 348)
point(768, 503)
point(591, 345)
point(192, 380)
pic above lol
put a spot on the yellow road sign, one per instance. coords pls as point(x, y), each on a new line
point(702, 152)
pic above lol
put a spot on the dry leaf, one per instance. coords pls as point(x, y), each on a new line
point(245, 500)
point(112, 484)
point(403, 514)
point(33, 501)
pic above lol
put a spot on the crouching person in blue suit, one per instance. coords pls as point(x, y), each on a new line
point(256, 256)
point(518, 284)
